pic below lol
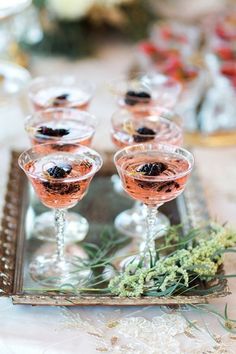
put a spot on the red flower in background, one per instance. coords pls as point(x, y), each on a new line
point(179, 71)
point(156, 54)
point(168, 34)
point(225, 53)
point(226, 27)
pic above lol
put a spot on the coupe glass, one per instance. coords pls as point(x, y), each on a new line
point(153, 174)
point(127, 130)
point(145, 90)
point(60, 175)
point(60, 91)
point(64, 125)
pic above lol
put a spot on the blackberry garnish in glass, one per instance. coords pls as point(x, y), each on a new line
point(61, 124)
point(128, 129)
point(137, 97)
point(153, 174)
point(60, 180)
point(143, 91)
point(60, 91)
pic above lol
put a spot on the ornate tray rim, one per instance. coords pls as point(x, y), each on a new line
point(12, 243)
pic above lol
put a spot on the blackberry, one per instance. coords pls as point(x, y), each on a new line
point(148, 185)
point(61, 188)
point(59, 99)
point(64, 96)
point(59, 171)
point(144, 134)
point(168, 186)
point(163, 185)
point(43, 130)
point(152, 169)
point(134, 97)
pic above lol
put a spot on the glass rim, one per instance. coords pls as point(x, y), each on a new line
point(68, 110)
point(166, 78)
point(141, 76)
point(73, 80)
point(152, 147)
point(80, 116)
point(94, 154)
point(153, 113)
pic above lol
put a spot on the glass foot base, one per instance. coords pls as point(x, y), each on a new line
point(71, 250)
point(75, 230)
point(135, 226)
point(48, 271)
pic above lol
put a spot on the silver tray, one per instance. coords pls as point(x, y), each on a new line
point(16, 247)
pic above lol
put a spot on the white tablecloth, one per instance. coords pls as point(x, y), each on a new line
point(38, 330)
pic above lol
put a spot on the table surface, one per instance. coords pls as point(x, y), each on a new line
point(26, 329)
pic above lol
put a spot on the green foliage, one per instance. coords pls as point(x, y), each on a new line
point(195, 260)
point(184, 265)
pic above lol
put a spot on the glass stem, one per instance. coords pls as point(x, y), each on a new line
point(148, 248)
point(60, 221)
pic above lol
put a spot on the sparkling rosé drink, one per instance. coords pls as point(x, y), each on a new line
point(55, 178)
point(61, 124)
point(154, 179)
point(153, 174)
point(144, 91)
point(65, 91)
point(153, 128)
point(60, 179)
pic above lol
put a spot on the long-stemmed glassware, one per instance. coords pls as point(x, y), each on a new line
point(60, 175)
point(153, 174)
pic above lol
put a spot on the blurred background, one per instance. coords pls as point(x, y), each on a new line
point(100, 40)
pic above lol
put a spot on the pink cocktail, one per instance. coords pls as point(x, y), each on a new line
point(60, 180)
point(145, 91)
point(153, 127)
point(61, 91)
point(54, 177)
point(139, 170)
point(61, 124)
point(153, 174)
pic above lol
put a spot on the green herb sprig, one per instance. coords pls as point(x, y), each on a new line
point(188, 269)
